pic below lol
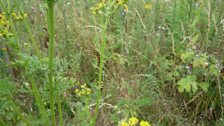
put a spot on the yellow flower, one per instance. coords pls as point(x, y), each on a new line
point(2, 16)
point(125, 7)
point(14, 15)
point(83, 90)
point(24, 15)
point(148, 6)
point(88, 91)
point(124, 124)
point(144, 123)
point(76, 90)
point(133, 121)
point(100, 5)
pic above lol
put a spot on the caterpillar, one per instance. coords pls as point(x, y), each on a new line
point(46, 38)
point(97, 54)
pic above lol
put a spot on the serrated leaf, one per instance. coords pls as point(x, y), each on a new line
point(204, 86)
point(188, 83)
point(142, 102)
point(187, 56)
point(200, 61)
point(213, 70)
point(194, 86)
point(181, 88)
point(194, 39)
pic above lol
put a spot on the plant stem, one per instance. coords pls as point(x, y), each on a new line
point(33, 41)
point(51, 57)
point(104, 34)
point(61, 120)
point(38, 98)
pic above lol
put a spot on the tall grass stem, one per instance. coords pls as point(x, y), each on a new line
point(50, 18)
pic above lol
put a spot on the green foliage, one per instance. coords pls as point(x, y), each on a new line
point(159, 61)
point(6, 91)
point(188, 83)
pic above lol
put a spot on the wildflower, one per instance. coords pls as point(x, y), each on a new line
point(84, 90)
point(24, 15)
point(148, 6)
point(2, 16)
point(124, 123)
point(125, 7)
point(14, 15)
point(97, 8)
point(88, 91)
point(133, 121)
point(144, 123)
point(76, 91)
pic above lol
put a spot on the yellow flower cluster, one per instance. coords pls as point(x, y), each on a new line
point(5, 24)
point(144, 123)
point(148, 6)
point(133, 121)
point(18, 17)
point(108, 6)
point(98, 8)
point(83, 90)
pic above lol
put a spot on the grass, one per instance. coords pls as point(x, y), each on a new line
point(160, 62)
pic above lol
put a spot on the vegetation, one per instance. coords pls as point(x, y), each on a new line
point(111, 63)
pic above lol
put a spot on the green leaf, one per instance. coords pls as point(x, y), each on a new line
point(187, 56)
point(188, 83)
point(143, 102)
point(7, 87)
point(194, 86)
point(194, 39)
point(213, 70)
point(181, 88)
point(200, 61)
point(204, 86)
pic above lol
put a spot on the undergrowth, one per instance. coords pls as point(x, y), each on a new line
point(111, 62)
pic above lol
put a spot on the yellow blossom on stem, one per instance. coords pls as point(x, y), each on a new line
point(125, 7)
point(144, 123)
point(148, 6)
point(83, 90)
point(124, 123)
point(133, 121)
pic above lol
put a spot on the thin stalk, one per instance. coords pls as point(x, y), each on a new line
point(15, 34)
point(104, 34)
point(61, 120)
point(33, 41)
point(220, 93)
point(50, 18)
point(209, 25)
point(38, 98)
point(7, 60)
point(66, 41)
